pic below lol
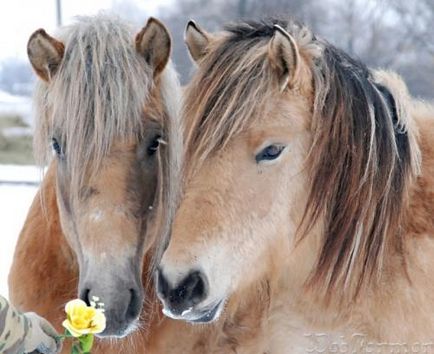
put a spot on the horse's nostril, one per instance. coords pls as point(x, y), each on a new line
point(162, 284)
point(194, 287)
point(189, 292)
point(84, 295)
point(134, 306)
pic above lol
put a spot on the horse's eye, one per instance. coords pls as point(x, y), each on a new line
point(56, 146)
point(271, 152)
point(154, 145)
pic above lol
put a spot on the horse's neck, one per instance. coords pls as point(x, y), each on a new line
point(43, 260)
point(420, 218)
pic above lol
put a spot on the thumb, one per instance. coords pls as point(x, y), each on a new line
point(42, 336)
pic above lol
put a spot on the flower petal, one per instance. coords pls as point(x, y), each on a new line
point(98, 322)
point(83, 319)
point(71, 329)
point(74, 304)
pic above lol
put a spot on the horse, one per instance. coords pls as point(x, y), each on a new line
point(306, 218)
point(108, 129)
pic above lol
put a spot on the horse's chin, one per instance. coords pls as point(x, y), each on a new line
point(121, 332)
point(211, 315)
point(196, 316)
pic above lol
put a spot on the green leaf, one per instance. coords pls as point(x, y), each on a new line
point(86, 342)
point(75, 350)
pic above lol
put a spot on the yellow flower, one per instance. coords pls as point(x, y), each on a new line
point(82, 319)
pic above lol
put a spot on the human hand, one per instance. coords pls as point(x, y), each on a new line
point(41, 337)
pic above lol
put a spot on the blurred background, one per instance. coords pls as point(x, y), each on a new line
point(392, 34)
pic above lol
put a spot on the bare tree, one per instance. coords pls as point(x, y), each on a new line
point(212, 14)
point(392, 34)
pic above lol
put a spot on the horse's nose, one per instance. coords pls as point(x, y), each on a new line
point(190, 291)
point(122, 308)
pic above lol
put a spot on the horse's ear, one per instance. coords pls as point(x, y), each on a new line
point(154, 43)
point(197, 40)
point(284, 56)
point(45, 54)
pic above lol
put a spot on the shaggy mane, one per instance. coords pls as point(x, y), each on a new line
point(363, 153)
point(97, 96)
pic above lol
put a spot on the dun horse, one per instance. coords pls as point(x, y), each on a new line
point(306, 221)
point(107, 127)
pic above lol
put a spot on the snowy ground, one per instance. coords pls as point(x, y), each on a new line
point(18, 185)
point(16, 195)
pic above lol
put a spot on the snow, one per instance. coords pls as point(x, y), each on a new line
point(20, 174)
point(6, 97)
point(13, 132)
point(20, 105)
point(15, 201)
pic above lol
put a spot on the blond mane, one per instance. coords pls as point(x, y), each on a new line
point(97, 96)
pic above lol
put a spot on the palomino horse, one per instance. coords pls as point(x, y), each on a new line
point(307, 213)
point(105, 103)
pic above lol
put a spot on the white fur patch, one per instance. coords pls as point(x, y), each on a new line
point(96, 215)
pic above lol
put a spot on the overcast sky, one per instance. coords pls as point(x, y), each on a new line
point(19, 18)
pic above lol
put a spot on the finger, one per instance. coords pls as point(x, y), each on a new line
point(48, 328)
point(42, 336)
point(47, 346)
point(51, 333)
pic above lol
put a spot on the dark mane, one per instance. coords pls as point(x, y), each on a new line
point(242, 31)
point(361, 158)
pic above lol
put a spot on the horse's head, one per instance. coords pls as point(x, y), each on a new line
point(103, 112)
point(247, 114)
point(281, 128)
